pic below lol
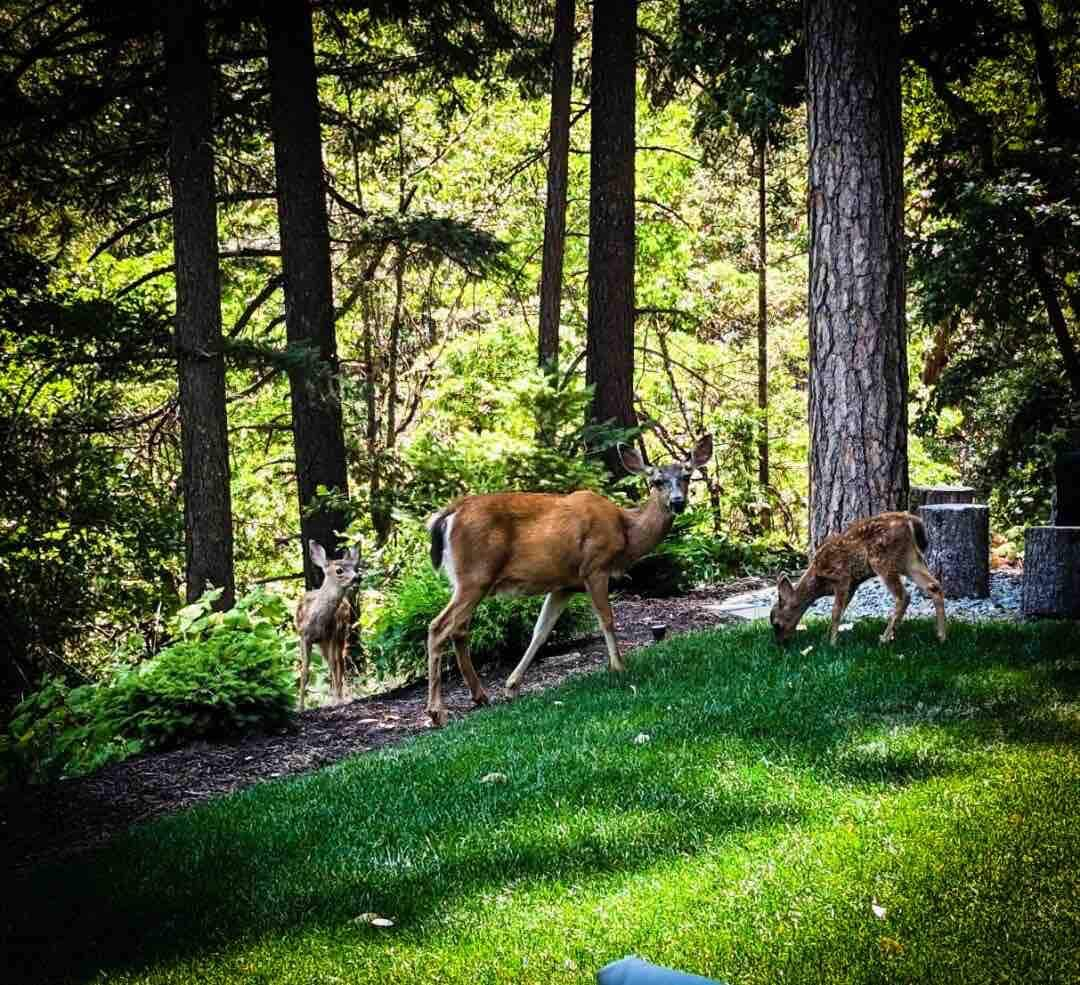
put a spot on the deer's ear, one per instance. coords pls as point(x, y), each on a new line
point(318, 555)
point(784, 587)
point(631, 460)
point(702, 451)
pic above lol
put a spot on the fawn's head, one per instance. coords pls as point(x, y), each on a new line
point(672, 482)
point(339, 574)
point(786, 613)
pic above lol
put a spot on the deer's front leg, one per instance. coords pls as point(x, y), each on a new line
point(841, 597)
point(305, 664)
point(597, 584)
point(896, 588)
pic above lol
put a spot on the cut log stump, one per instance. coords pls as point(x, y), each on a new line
point(938, 495)
point(959, 552)
point(1051, 572)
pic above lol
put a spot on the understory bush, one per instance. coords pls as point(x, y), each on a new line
point(692, 554)
point(226, 673)
point(502, 623)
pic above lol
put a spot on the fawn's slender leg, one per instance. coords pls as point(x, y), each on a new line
point(896, 588)
point(465, 665)
point(451, 623)
point(920, 574)
point(597, 584)
point(336, 662)
point(841, 597)
point(553, 607)
point(305, 664)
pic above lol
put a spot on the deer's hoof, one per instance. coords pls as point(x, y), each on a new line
point(481, 698)
point(512, 690)
point(439, 716)
point(887, 637)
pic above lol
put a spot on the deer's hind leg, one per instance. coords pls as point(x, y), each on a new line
point(919, 573)
point(553, 607)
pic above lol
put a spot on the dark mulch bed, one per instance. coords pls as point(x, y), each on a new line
point(48, 822)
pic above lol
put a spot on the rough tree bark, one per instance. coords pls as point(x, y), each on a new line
point(609, 347)
point(1051, 572)
point(200, 361)
point(551, 274)
point(858, 352)
point(763, 322)
point(305, 250)
point(959, 552)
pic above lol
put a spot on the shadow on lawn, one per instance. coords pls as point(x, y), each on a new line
point(164, 894)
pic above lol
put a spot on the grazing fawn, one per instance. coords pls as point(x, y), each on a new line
point(544, 543)
point(887, 545)
point(324, 617)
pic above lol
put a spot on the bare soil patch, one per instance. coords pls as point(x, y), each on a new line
point(48, 822)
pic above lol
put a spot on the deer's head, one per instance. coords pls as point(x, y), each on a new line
point(670, 482)
point(786, 613)
point(339, 574)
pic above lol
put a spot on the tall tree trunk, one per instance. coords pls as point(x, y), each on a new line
point(551, 275)
point(763, 324)
point(858, 351)
point(609, 349)
point(305, 251)
point(200, 361)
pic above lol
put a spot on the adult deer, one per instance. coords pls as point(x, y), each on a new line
point(887, 545)
point(537, 543)
point(324, 617)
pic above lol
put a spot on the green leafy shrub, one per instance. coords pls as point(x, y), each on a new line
point(502, 623)
point(227, 673)
point(692, 554)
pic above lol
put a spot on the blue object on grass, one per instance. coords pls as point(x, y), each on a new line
point(634, 971)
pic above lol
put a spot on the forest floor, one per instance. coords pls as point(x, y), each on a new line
point(43, 823)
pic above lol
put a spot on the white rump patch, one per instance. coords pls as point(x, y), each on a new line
point(448, 563)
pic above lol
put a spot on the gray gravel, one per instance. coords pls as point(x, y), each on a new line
point(873, 599)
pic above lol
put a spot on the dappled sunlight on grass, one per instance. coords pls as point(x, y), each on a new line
point(726, 807)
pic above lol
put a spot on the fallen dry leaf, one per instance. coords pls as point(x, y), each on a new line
point(641, 738)
point(494, 778)
point(879, 910)
point(374, 920)
point(807, 650)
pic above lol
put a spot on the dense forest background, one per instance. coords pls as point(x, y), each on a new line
point(407, 365)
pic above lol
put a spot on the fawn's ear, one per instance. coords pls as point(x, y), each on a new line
point(318, 555)
point(702, 451)
point(785, 588)
point(631, 460)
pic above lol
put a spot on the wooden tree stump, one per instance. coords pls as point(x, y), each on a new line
point(1051, 572)
point(937, 495)
point(959, 552)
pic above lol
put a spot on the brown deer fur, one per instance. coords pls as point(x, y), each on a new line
point(887, 545)
point(544, 543)
point(325, 616)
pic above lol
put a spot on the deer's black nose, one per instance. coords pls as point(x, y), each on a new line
point(678, 505)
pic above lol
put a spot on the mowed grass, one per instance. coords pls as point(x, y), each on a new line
point(861, 813)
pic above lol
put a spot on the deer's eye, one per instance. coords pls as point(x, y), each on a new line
point(341, 571)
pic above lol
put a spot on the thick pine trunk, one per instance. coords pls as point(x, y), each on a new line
point(763, 324)
point(609, 359)
point(959, 551)
point(305, 251)
point(1051, 572)
point(200, 361)
point(858, 351)
point(551, 274)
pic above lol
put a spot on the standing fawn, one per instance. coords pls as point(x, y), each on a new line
point(544, 543)
point(324, 617)
point(887, 545)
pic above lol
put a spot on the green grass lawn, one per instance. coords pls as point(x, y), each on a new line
point(851, 814)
